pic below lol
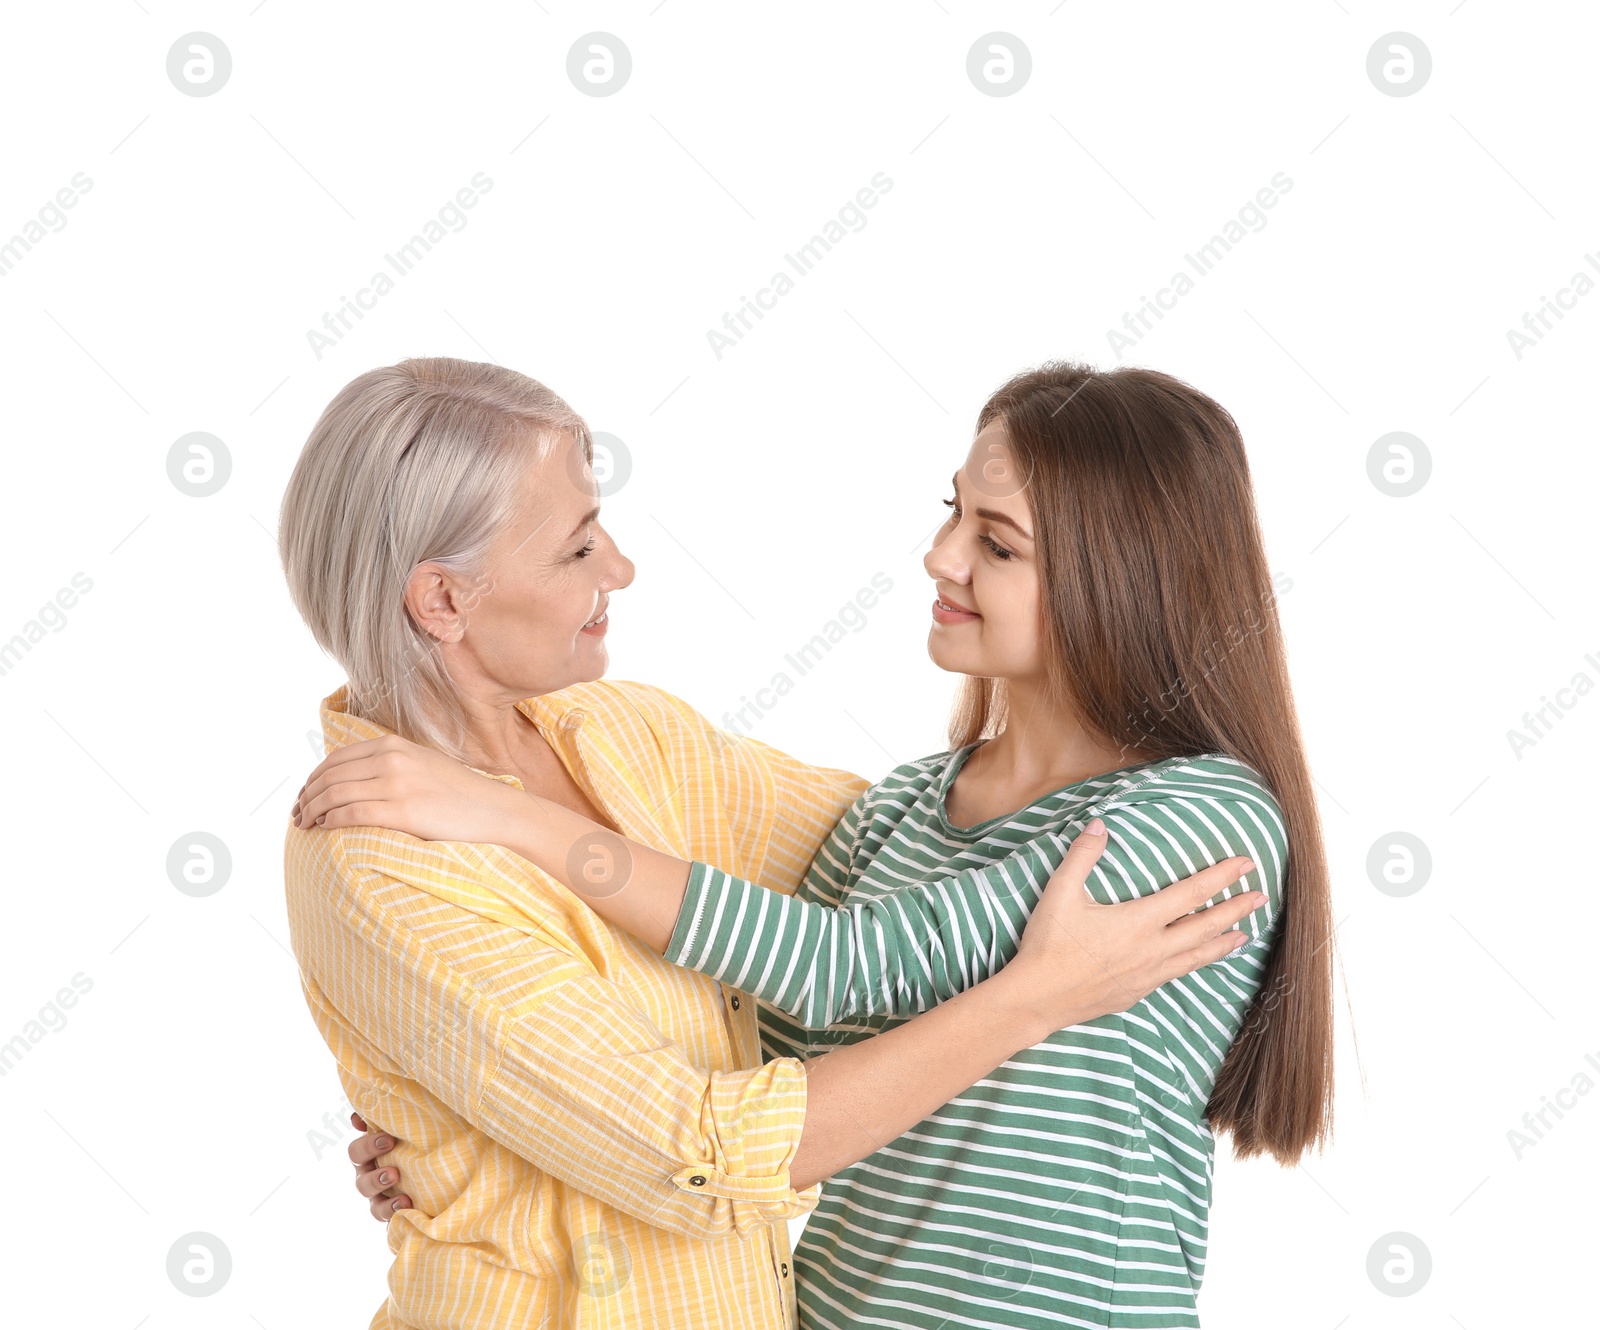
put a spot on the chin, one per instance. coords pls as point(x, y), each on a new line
point(940, 654)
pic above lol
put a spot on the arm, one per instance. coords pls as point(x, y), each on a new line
point(391, 782)
point(900, 955)
point(515, 1033)
point(864, 1095)
point(924, 943)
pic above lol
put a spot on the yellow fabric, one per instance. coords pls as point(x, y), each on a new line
point(587, 1132)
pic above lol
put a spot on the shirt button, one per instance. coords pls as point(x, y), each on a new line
point(697, 1181)
point(785, 1268)
point(734, 1000)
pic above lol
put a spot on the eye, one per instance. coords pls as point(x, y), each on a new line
point(953, 506)
point(1000, 551)
point(586, 551)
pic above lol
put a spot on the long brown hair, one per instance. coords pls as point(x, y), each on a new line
point(1161, 629)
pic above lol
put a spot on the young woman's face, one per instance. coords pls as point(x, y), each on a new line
point(985, 570)
point(535, 622)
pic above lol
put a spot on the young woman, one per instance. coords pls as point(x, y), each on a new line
point(1101, 583)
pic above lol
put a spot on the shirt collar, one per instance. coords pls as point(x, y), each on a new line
point(617, 784)
point(563, 720)
point(559, 712)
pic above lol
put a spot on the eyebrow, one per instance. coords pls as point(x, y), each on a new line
point(584, 521)
point(990, 512)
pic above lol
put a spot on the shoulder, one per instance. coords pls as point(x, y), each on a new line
point(1207, 776)
point(333, 881)
point(916, 775)
point(1212, 802)
point(342, 862)
point(910, 779)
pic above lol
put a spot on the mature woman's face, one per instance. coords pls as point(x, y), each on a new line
point(535, 622)
point(985, 570)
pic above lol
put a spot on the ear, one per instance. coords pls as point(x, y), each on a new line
point(432, 601)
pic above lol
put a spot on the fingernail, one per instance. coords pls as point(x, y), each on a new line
point(1249, 867)
point(386, 1177)
point(382, 1143)
point(1095, 827)
point(1242, 940)
point(400, 1203)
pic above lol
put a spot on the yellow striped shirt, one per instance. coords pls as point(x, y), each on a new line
point(587, 1133)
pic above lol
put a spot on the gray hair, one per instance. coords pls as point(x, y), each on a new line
point(417, 462)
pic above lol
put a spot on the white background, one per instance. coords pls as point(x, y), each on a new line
point(767, 488)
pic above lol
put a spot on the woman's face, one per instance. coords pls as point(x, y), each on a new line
point(536, 620)
point(985, 570)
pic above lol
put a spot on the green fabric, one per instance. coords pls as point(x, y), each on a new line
point(1072, 1185)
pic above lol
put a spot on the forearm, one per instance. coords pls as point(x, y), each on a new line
point(899, 954)
point(638, 889)
point(860, 1097)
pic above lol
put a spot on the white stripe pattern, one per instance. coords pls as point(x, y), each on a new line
point(1071, 1186)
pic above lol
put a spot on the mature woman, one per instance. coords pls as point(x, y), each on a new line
point(588, 1134)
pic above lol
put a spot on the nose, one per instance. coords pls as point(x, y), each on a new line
point(946, 560)
point(619, 569)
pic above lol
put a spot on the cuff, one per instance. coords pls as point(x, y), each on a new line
point(690, 914)
point(752, 1125)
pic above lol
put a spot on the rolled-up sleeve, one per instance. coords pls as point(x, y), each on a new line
point(517, 1033)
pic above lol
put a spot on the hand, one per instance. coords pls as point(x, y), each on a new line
point(1079, 959)
point(394, 783)
point(381, 1187)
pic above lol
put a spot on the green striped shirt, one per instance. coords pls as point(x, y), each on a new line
point(1071, 1186)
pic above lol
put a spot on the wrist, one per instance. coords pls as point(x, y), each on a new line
point(515, 822)
point(1028, 1010)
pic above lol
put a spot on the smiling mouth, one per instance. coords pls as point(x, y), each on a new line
point(595, 623)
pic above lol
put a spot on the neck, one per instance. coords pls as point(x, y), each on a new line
point(1045, 742)
point(498, 735)
point(499, 738)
